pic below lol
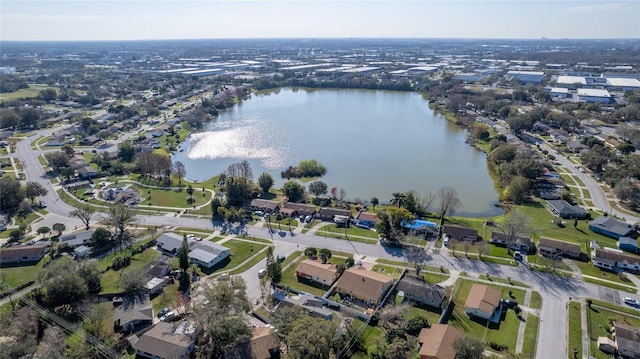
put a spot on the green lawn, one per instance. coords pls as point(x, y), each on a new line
point(536, 300)
point(170, 197)
point(530, 337)
point(290, 279)
point(575, 328)
point(435, 277)
point(507, 331)
point(388, 270)
point(599, 321)
point(351, 231)
point(587, 268)
point(30, 92)
point(502, 280)
point(16, 275)
point(168, 298)
point(139, 261)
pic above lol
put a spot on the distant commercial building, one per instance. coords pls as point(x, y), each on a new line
point(594, 95)
point(526, 77)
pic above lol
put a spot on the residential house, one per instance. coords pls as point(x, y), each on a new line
point(56, 140)
point(483, 302)
point(87, 172)
point(615, 260)
point(76, 239)
point(316, 271)
point(420, 227)
point(329, 214)
point(208, 254)
point(607, 345)
point(135, 312)
point(367, 219)
point(263, 344)
point(437, 342)
point(628, 244)
point(565, 210)
point(576, 146)
point(170, 243)
point(89, 140)
point(167, 341)
point(460, 233)
point(554, 248)
point(294, 209)
point(23, 253)
point(155, 285)
point(364, 284)
point(520, 243)
point(314, 307)
point(265, 205)
point(627, 340)
point(610, 227)
point(420, 291)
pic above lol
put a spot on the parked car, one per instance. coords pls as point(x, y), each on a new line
point(163, 312)
point(517, 256)
point(117, 300)
point(632, 302)
point(169, 316)
point(262, 272)
point(308, 219)
point(509, 303)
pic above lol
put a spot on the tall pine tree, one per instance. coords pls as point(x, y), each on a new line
point(274, 271)
point(183, 254)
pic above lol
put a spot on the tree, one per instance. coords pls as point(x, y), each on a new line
point(84, 213)
point(324, 255)
point(482, 248)
point(59, 227)
point(468, 348)
point(293, 190)
point(132, 281)
point(274, 270)
point(126, 151)
point(100, 237)
point(223, 318)
point(448, 202)
point(265, 181)
point(60, 283)
point(398, 199)
point(516, 224)
point(190, 193)
point(11, 193)
point(374, 202)
point(47, 94)
point(180, 171)
point(52, 345)
point(43, 230)
point(627, 191)
point(517, 190)
point(309, 338)
point(89, 271)
point(119, 217)
point(183, 254)
point(318, 188)
point(216, 203)
point(311, 252)
point(240, 169)
point(418, 257)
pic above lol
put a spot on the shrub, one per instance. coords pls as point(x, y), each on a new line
point(623, 277)
point(498, 347)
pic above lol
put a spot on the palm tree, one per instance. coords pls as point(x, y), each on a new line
point(399, 199)
point(374, 202)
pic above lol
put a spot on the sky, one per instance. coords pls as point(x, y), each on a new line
point(51, 20)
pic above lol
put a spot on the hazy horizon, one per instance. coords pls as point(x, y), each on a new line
point(126, 20)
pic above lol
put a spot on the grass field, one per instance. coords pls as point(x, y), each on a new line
point(139, 261)
point(30, 92)
point(530, 337)
point(599, 321)
point(575, 328)
point(535, 301)
point(170, 197)
point(351, 231)
point(240, 252)
point(589, 269)
point(16, 275)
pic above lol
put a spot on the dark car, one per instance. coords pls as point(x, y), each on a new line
point(163, 312)
point(509, 303)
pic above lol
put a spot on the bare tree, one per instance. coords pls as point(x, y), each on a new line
point(418, 257)
point(482, 248)
point(52, 344)
point(342, 194)
point(448, 202)
point(120, 216)
point(180, 171)
point(453, 245)
point(240, 169)
point(516, 224)
point(84, 213)
point(428, 200)
point(466, 245)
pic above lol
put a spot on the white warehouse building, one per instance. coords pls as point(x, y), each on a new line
point(594, 95)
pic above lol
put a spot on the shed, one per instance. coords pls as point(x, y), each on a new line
point(81, 251)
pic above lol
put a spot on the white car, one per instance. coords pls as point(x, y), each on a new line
point(262, 272)
point(631, 301)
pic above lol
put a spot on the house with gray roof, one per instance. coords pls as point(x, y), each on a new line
point(167, 341)
point(610, 227)
point(563, 209)
point(135, 312)
point(208, 254)
point(170, 243)
point(77, 238)
point(420, 291)
point(314, 307)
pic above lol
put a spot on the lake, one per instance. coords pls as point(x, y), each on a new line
point(373, 143)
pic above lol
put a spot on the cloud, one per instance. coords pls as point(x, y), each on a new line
point(597, 7)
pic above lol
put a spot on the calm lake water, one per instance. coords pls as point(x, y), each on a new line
point(373, 143)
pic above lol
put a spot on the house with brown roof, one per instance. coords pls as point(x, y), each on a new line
point(615, 260)
point(294, 209)
point(363, 284)
point(483, 302)
point(167, 341)
point(328, 213)
point(460, 233)
point(263, 344)
point(420, 291)
point(554, 248)
point(520, 243)
point(437, 341)
point(265, 205)
point(316, 271)
point(367, 219)
point(23, 253)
